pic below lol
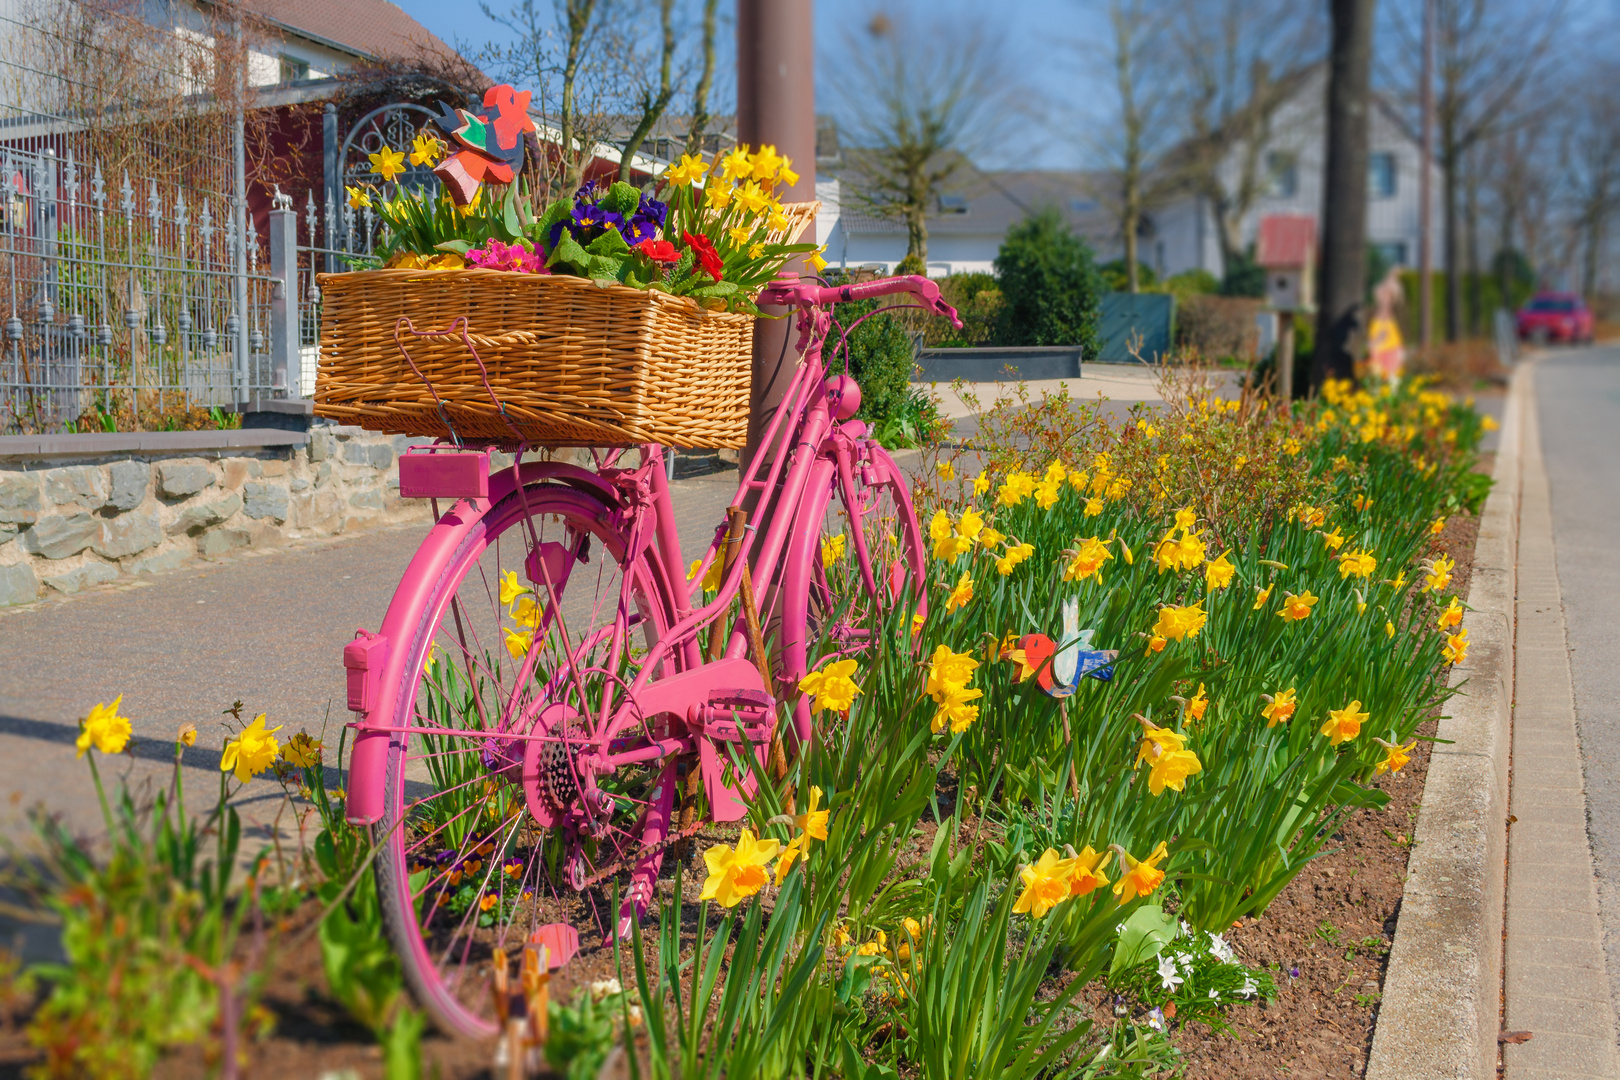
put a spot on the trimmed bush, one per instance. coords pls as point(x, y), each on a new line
point(1049, 286)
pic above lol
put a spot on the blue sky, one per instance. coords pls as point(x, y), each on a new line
point(1061, 83)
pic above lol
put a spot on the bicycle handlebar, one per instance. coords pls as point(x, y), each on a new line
point(808, 293)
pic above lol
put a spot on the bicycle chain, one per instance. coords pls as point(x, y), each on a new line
point(669, 841)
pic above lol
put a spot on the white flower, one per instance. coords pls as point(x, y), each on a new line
point(1156, 1020)
point(1214, 995)
point(602, 988)
point(1186, 962)
point(1120, 929)
point(1248, 988)
point(1220, 948)
point(1186, 931)
point(1167, 974)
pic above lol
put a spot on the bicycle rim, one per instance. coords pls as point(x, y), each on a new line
point(523, 635)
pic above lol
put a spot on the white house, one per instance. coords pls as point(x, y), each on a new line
point(1184, 233)
point(967, 223)
point(966, 227)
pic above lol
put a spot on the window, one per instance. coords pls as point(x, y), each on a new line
point(953, 204)
point(1393, 254)
point(1381, 176)
point(294, 69)
point(1283, 170)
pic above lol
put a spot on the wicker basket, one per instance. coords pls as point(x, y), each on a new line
point(570, 362)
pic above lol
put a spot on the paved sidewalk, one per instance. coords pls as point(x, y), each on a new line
point(1554, 980)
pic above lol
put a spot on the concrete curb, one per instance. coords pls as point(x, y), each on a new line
point(1441, 1006)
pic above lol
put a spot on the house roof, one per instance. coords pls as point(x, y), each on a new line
point(975, 202)
point(1286, 241)
point(368, 28)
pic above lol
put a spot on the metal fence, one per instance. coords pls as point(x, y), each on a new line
point(130, 283)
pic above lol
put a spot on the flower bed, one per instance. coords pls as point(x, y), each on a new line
point(1169, 666)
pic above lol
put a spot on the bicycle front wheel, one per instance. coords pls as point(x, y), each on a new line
point(534, 622)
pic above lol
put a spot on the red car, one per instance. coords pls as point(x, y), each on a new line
point(1554, 316)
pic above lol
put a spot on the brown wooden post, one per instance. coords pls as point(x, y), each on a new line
point(776, 104)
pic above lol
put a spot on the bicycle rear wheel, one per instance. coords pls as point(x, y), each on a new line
point(533, 621)
point(854, 555)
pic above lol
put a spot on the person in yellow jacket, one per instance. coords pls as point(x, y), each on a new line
point(1386, 353)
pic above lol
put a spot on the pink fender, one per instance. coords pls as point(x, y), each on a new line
point(368, 761)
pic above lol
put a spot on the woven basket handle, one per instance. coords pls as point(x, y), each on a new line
point(458, 328)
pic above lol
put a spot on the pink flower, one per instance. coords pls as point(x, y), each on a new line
point(495, 255)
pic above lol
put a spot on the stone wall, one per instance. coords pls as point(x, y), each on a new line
point(72, 517)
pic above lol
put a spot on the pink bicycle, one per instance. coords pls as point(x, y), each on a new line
point(553, 700)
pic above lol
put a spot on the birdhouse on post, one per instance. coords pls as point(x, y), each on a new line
point(1286, 251)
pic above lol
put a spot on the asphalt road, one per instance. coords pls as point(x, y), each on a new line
point(1579, 398)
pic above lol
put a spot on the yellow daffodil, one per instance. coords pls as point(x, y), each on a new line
point(1394, 757)
point(756, 251)
point(1086, 871)
point(954, 710)
point(1186, 518)
point(1095, 506)
point(1452, 615)
point(989, 538)
point(1360, 563)
point(1218, 574)
point(946, 471)
point(1046, 884)
point(1087, 560)
point(832, 687)
point(1138, 877)
point(1014, 556)
point(426, 149)
point(1197, 704)
point(1438, 527)
point(1015, 489)
point(526, 612)
point(105, 729)
point(960, 595)
point(1362, 502)
point(187, 735)
point(1488, 423)
point(970, 525)
point(1263, 596)
point(832, 549)
point(518, 642)
point(302, 751)
point(1439, 574)
point(251, 752)
point(752, 198)
point(947, 669)
point(1156, 644)
point(387, 163)
point(1279, 709)
point(717, 193)
point(981, 484)
point(1455, 650)
point(358, 197)
point(818, 258)
point(785, 176)
point(1343, 724)
point(736, 165)
point(1297, 608)
point(1389, 629)
point(765, 162)
point(712, 579)
point(739, 235)
point(737, 873)
point(511, 589)
point(1157, 741)
point(1176, 623)
point(686, 171)
point(1334, 540)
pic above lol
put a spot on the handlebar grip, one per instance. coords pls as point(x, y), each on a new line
point(920, 287)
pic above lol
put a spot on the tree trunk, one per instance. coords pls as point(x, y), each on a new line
point(1133, 281)
point(700, 95)
point(1476, 294)
point(1344, 209)
point(652, 106)
point(1450, 159)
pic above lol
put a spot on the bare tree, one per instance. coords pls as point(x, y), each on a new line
point(1492, 66)
point(705, 82)
point(654, 102)
point(920, 101)
point(1594, 173)
point(1240, 61)
point(1135, 133)
point(555, 49)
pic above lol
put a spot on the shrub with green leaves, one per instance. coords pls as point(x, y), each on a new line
point(1049, 285)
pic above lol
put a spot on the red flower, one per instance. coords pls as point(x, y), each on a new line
point(659, 251)
point(708, 258)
